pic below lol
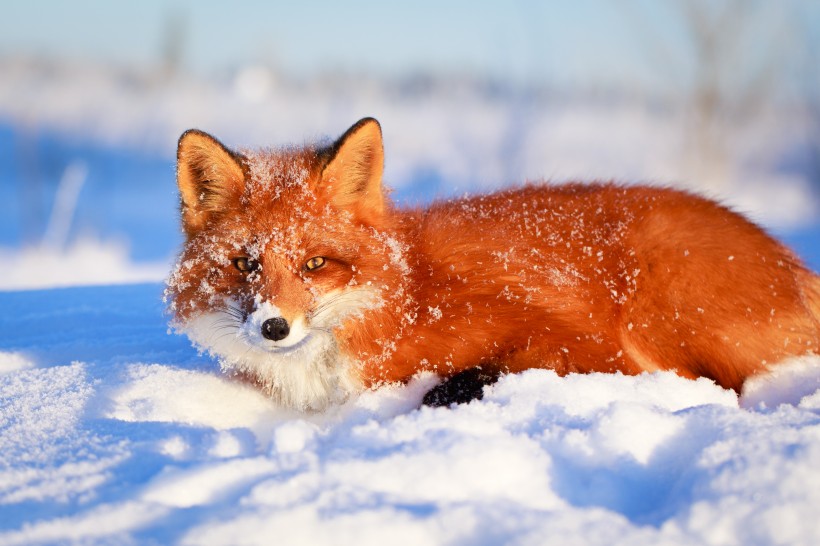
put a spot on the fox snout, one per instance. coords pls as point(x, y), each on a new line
point(275, 329)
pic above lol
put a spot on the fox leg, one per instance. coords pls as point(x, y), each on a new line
point(460, 388)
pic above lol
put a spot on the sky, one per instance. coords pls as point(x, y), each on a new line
point(591, 43)
point(523, 40)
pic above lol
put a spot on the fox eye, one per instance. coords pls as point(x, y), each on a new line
point(245, 265)
point(314, 263)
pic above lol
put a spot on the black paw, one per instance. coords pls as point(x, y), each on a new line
point(459, 389)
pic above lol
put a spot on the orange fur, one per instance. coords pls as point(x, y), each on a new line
point(575, 278)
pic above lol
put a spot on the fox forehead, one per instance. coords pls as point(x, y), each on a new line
point(278, 212)
point(280, 175)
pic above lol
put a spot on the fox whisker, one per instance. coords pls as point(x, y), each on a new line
point(342, 303)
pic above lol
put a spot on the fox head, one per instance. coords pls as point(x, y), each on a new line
point(286, 251)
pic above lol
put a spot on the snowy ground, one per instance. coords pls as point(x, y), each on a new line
point(114, 431)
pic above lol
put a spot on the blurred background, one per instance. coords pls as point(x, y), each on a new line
point(721, 97)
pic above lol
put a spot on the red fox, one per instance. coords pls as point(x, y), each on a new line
point(299, 274)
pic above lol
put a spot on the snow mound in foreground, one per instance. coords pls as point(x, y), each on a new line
point(114, 432)
point(795, 381)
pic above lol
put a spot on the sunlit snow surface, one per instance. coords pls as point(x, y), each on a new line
point(113, 431)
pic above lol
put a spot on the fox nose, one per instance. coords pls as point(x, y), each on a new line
point(275, 329)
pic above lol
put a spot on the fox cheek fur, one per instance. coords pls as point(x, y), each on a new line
point(298, 273)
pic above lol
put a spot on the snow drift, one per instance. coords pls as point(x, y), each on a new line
point(114, 431)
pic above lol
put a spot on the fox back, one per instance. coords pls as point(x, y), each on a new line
point(299, 274)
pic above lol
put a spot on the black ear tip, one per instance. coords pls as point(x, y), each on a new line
point(364, 122)
point(196, 133)
point(187, 136)
point(191, 132)
point(363, 127)
point(193, 139)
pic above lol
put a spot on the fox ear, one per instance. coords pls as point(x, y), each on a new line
point(353, 176)
point(210, 177)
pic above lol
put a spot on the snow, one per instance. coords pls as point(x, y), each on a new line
point(113, 430)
